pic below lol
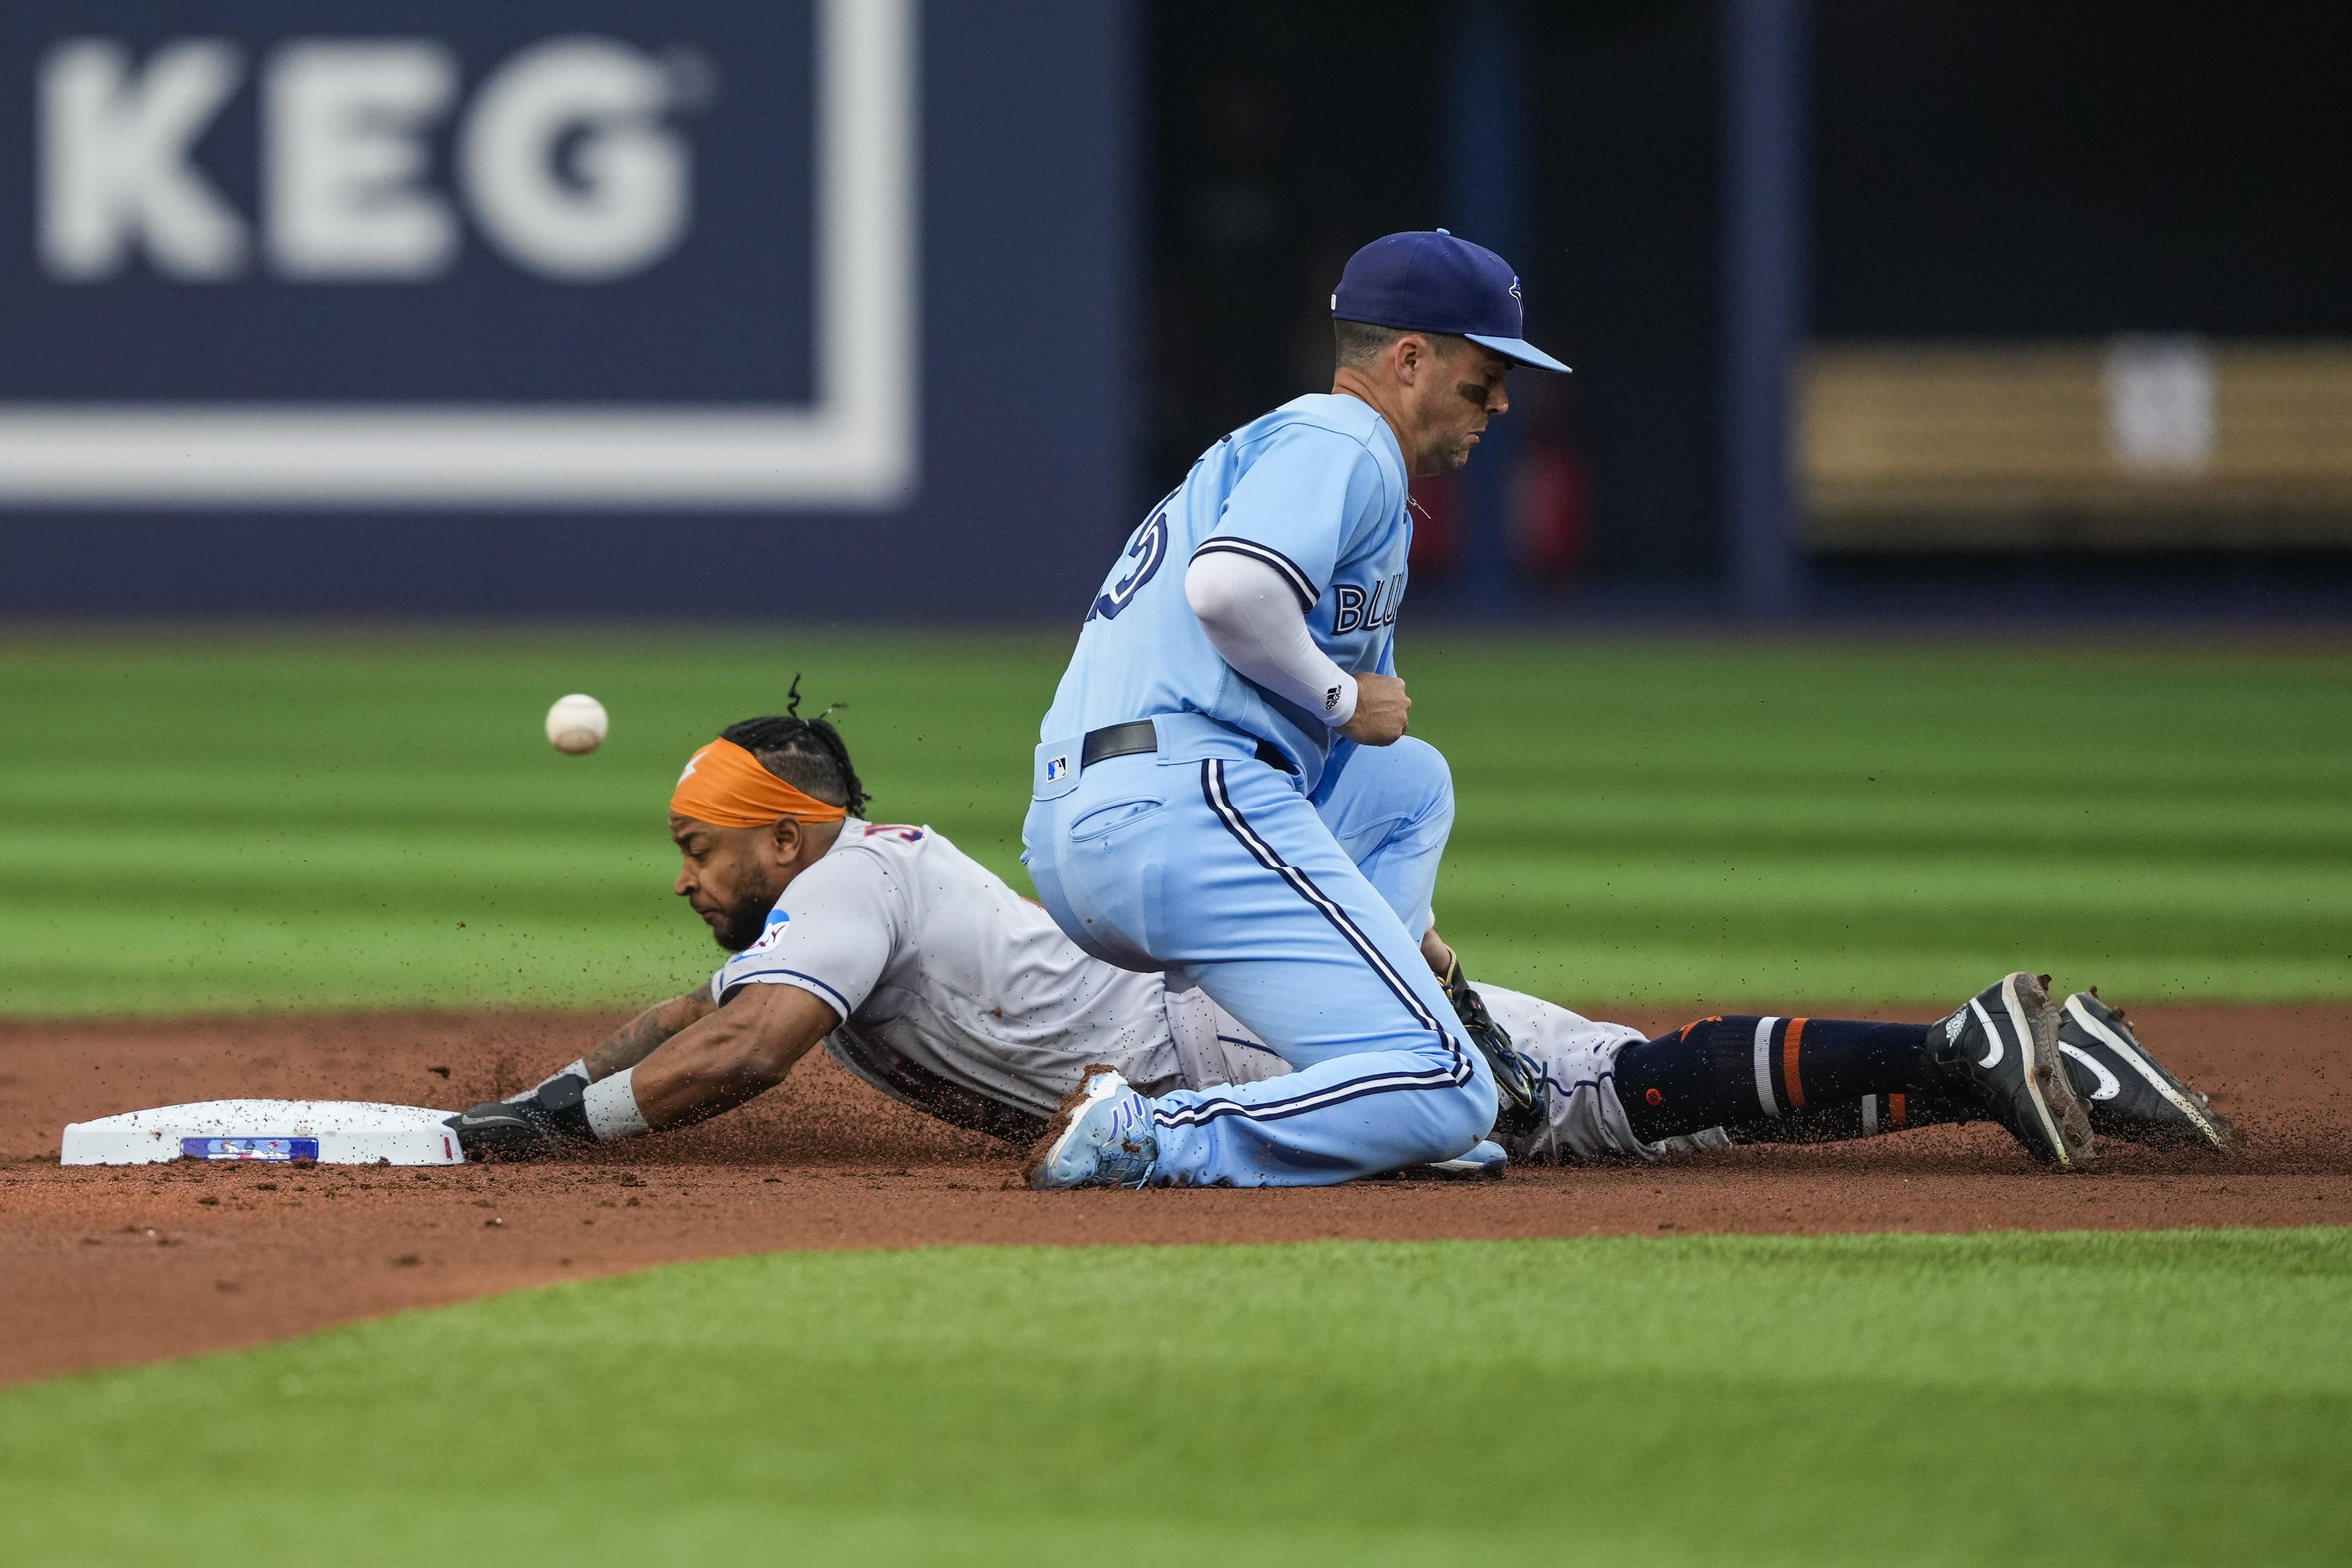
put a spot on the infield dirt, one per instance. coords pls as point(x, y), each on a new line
point(101, 1266)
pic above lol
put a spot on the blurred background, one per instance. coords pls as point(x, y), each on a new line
point(1937, 562)
point(905, 310)
point(2057, 295)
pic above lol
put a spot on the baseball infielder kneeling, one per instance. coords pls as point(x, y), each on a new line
point(927, 977)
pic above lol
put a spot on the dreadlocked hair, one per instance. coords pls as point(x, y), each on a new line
point(806, 753)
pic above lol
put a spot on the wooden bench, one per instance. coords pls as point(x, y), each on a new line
point(2007, 446)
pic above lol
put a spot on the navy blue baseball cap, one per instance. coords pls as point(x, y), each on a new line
point(1429, 281)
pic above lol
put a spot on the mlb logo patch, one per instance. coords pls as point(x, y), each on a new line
point(1056, 768)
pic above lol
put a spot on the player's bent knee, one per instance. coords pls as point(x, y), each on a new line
point(1460, 1117)
point(1409, 780)
point(1424, 768)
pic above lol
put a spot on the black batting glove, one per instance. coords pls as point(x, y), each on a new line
point(554, 1121)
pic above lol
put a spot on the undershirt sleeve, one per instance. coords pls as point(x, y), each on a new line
point(1251, 613)
point(1298, 505)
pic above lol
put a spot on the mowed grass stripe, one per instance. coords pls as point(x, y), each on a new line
point(1857, 824)
point(296, 821)
point(2092, 1398)
point(304, 821)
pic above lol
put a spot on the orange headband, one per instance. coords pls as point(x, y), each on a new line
point(726, 786)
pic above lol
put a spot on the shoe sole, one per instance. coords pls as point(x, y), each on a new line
point(2066, 1123)
point(1047, 1149)
point(2215, 1128)
point(1456, 1171)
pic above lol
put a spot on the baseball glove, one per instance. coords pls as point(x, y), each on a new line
point(1518, 1087)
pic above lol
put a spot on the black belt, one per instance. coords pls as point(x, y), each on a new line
point(1134, 738)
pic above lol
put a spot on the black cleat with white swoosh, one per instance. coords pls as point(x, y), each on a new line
point(2128, 1092)
point(1999, 1052)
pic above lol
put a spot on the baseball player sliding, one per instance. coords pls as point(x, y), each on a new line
point(927, 977)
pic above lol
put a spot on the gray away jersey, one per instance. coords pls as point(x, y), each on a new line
point(956, 996)
point(965, 1001)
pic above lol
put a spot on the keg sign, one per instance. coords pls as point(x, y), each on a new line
point(430, 254)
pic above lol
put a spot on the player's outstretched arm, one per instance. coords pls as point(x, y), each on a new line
point(743, 1049)
point(629, 1044)
point(634, 1041)
point(721, 1060)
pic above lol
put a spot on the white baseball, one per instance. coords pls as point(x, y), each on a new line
point(577, 724)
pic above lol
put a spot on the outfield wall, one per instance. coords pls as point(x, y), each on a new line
point(790, 307)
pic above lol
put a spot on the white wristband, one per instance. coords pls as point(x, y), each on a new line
point(612, 1106)
point(1338, 711)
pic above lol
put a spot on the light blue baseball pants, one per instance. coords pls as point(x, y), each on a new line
point(1301, 918)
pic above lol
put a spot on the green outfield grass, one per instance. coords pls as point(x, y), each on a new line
point(344, 820)
point(2078, 1398)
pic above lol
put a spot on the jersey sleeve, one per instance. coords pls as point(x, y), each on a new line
point(832, 934)
point(1299, 505)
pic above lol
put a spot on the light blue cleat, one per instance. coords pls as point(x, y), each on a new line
point(1484, 1158)
point(1100, 1137)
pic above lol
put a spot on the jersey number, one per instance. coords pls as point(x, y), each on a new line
point(1149, 549)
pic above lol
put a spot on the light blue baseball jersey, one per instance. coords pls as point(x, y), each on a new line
point(1317, 491)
